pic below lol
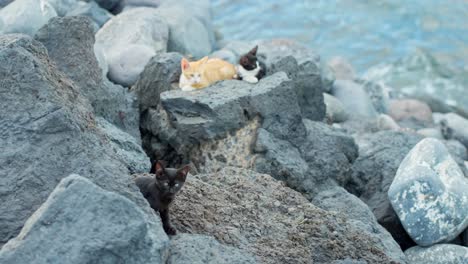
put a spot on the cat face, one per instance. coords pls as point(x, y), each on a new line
point(170, 180)
point(249, 60)
point(192, 70)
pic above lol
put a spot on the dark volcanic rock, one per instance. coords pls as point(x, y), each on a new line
point(82, 223)
point(69, 41)
point(380, 155)
point(48, 131)
point(258, 214)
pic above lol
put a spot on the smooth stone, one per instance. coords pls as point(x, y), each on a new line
point(438, 254)
point(429, 194)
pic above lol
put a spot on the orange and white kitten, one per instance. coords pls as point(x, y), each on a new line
point(200, 74)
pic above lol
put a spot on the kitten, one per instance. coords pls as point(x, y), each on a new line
point(160, 190)
point(202, 73)
point(250, 69)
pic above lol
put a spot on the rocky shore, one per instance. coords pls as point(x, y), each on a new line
point(312, 164)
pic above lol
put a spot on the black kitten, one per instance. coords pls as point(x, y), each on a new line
point(250, 69)
point(160, 190)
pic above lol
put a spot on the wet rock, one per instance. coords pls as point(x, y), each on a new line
point(429, 194)
point(83, 223)
point(237, 207)
point(137, 34)
point(199, 249)
point(437, 254)
point(373, 171)
point(25, 16)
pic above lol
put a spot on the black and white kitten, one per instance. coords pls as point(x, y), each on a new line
point(160, 190)
point(250, 69)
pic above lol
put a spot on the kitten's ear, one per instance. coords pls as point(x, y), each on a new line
point(158, 168)
point(254, 51)
point(204, 59)
point(182, 173)
point(184, 64)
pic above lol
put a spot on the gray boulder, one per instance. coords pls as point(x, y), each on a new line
point(25, 16)
point(129, 40)
point(356, 211)
point(190, 32)
point(83, 223)
point(69, 41)
point(200, 249)
point(438, 254)
point(126, 147)
point(92, 10)
point(455, 125)
point(373, 171)
point(48, 132)
point(356, 101)
point(429, 194)
point(334, 109)
point(237, 207)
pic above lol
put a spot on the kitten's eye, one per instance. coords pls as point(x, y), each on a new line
point(166, 184)
point(176, 185)
point(192, 75)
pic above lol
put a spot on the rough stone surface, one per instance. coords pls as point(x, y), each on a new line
point(410, 109)
point(127, 33)
point(200, 249)
point(438, 254)
point(373, 171)
point(356, 101)
point(92, 10)
point(82, 223)
point(69, 42)
point(25, 16)
point(455, 125)
point(356, 211)
point(237, 207)
point(334, 109)
point(429, 194)
point(47, 131)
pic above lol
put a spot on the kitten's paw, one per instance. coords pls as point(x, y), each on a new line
point(171, 231)
point(251, 80)
point(187, 88)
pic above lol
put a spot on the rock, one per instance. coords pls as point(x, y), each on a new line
point(342, 69)
point(109, 4)
point(226, 55)
point(429, 194)
point(334, 109)
point(438, 254)
point(403, 109)
point(126, 147)
point(48, 131)
point(101, 58)
point(25, 16)
point(141, 31)
point(339, 200)
point(92, 10)
point(83, 223)
point(456, 125)
point(4, 3)
point(160, 72)
point(431, 132)
point(188, 34)
point(465, 238)
point(373, 171)
point(62, 7)
point(69, 41)
point(199, 249)
point(378, 93)
point(354, 98)
point(386, 122)
point(236, 207)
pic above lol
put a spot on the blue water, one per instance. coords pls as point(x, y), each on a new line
point(366, 32)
